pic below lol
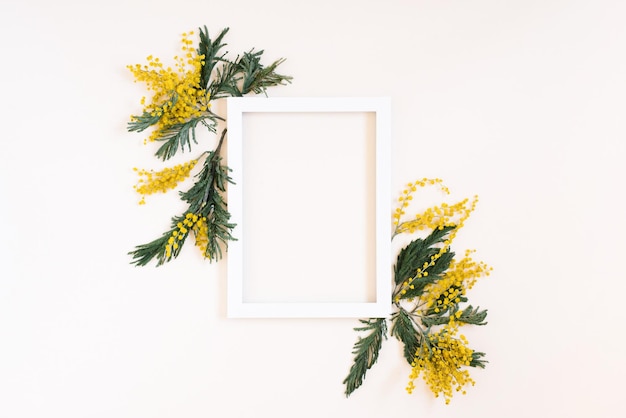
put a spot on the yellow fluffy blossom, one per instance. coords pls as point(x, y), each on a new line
point(434, 217)
point(151, 182)
point(191, 222)
point(441, 361)
point(407, 195)
point(201, 231)
point(177, 95)
point(458, 279)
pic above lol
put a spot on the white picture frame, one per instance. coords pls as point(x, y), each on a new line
point(237, 306)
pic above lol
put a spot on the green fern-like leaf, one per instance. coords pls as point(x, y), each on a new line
point(417, 253)
point(402, 328)
point(477, 360)
point(256, 77)
point(210, 49)
point(205, 198)
point(246, 74)
point(473, 316)
point(156, 249)
point(434, 273)
point(366, 352)
point(143, 122)
point(225, 83)
point(179, 136)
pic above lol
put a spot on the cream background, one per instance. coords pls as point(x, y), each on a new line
point(521, 102)
point(301, 172)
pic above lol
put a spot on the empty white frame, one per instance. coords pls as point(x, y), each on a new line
point(378, 184)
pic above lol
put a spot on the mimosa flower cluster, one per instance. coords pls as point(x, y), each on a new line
point(179, 102)
point(177, 95)
point(442, 361)
point(191, 222)
point(151, 182)
point(430, 300)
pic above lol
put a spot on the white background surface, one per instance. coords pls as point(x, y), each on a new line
point(520, 102)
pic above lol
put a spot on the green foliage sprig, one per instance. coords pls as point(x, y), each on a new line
point(429, 301)
point(182, 103)
point(366, 351)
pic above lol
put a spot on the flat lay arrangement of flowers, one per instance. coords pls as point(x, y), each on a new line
point(181, 103)
point(429, 303)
